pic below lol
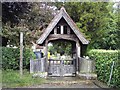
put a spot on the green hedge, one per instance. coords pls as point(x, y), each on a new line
point(11, 57)
point(104, 60)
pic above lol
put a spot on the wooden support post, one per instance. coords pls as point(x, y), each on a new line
point(46, 54)
point(21, 53)
point(68, 30)
point(77, 54)
point(79, 51)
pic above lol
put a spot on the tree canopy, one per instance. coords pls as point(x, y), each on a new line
point(98, 21)
point(32, 16)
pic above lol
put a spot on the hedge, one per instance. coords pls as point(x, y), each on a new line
point(104, 60)
point(11, 57)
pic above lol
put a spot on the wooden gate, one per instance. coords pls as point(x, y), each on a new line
point(61, 67)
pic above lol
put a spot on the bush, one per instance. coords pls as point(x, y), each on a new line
point(11, 58)
point(104, 60)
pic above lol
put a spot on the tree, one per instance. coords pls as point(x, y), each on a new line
point(96, 21)
point(13, 11)
point(36, 17)
point(109, 33)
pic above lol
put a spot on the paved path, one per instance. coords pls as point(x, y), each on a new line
point(70, 83)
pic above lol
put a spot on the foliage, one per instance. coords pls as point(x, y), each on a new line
point(97, 22)
point(12, 11)
point(31, 18)
point(60, 47)
point(11, 57)
point(104, 60)
point(12, 79)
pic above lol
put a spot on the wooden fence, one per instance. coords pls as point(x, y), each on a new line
point(86, 65)
point(37, 65)
point(61, 68)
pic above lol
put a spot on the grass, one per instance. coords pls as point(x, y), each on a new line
point(12, 79)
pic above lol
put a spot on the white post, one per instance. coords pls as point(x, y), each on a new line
point(78, 49)
point(31, 66)
point(21, 53)
point(61, 29)
point(111, 73)
point(55, 30)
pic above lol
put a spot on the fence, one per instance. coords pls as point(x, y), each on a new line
point(61, 67)
point(86, 65)
point(37, 65)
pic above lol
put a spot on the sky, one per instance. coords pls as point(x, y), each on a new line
point(116, 0)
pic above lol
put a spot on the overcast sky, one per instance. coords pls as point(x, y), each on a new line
point(116, 0)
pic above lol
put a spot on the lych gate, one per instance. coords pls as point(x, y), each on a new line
point(61, 29)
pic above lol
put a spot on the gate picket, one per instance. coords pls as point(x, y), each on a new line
point(64, 68)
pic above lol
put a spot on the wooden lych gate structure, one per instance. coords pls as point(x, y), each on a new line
point(62, 28)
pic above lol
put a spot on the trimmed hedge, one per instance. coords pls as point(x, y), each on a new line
point(11, 58)
point(104, 60)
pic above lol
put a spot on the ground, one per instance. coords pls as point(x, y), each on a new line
point(11, 79)
point(69, 82)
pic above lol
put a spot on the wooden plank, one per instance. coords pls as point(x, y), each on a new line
point(68, 30)
point(61, 69)
point(37, 65)
point(64, 36)
point(31, 66)
point(42, 66)
point(46, 57)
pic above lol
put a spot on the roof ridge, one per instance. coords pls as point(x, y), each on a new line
point(62, 8)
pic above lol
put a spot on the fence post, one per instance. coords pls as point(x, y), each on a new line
point(31, 66)
point(21, 53)
point(111, 73)
point(42, 65)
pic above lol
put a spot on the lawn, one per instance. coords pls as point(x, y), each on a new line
point(12, 79)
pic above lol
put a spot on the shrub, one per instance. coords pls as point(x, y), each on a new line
point(11, 58)
point(104, 60)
